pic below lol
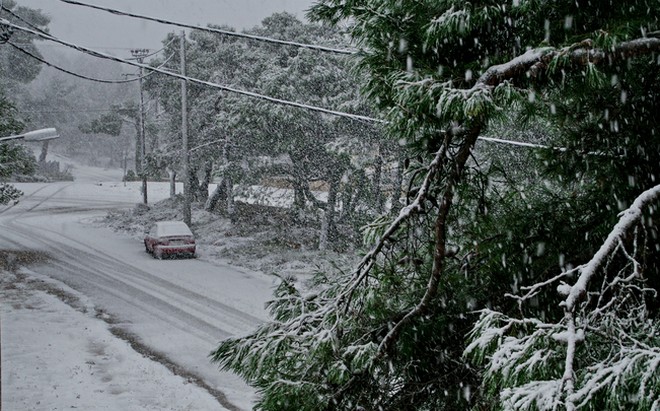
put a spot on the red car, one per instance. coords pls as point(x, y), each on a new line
point(168, 238)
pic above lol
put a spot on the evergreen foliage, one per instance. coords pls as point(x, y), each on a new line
point(478, 233)
point(17, 68)
point(246, 141)
point(13, 158)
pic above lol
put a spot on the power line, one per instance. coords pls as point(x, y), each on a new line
point(24, 20)
point(213, 30)
point(73, 110)
point(32, 26)
point(82, 76)
point(155, 52)
point(92, 46)
point(243, 92)
point(519, 143)
point(101, 55)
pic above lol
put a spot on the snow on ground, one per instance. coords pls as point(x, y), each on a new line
point(67, 355)
point(264, 240)
point(70, 360)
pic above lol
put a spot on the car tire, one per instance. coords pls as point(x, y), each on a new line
point(158, 254)
point(146, 248)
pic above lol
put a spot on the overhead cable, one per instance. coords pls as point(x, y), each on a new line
point(155, 52)
point(247, 93)
point(82, 76)
point(32, 26)
point(214, 30)
point(72, 110)
point(92, 46)
point(519, 143)
point(101, 55)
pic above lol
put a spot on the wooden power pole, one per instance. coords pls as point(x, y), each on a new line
point(139, 55)
point(187, 194)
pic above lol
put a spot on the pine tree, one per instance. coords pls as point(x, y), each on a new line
point(390, 335)
point(15, 69)
point(13, 158)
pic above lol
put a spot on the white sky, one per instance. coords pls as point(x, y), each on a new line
point(104, 31)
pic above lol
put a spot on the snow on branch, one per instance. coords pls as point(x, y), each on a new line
point(407, 212)
point(534, 364)
point(497, 85)
point(325, 315)
point(627, 220)
point(439, 252)
point(580, 54)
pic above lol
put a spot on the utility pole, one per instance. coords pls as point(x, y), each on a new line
point(187, 200)
point(139, 55)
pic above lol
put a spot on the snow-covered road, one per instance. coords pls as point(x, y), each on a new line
point(174, 310)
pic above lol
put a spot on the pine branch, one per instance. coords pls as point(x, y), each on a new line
point(616, 314)
point(407, 212)
point(580, 54)
point(439, 254)
point(628, 220)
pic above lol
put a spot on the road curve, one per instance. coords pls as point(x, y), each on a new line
point(178, 309)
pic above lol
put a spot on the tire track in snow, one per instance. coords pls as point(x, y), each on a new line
point(156, 308)
point(174, 305)
point(24, 197)
point(119, 269)
point(83, 278)
point(112, 263)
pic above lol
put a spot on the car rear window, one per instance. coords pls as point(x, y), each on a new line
point(168, 229)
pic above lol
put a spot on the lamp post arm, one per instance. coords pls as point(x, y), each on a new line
point(36, 135)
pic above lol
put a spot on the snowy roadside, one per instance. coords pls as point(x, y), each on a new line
point(264, 239)
point(50, 333)
point(59, 355)
point(260, 237)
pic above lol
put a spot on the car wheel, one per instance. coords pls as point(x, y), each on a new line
point(146, 248)
point(158, 253)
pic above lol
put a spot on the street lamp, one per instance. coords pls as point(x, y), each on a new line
point(36, 135)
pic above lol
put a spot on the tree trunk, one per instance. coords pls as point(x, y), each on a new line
point(229, 187)
point(194, 183)
point(219, 195)
point(325, 228)
point(398, 183)
point(358, 194)
point(299, 183)
point(124, 164)
point(328, 219)
point(378, 175)
point(206, 180)
point(172, 179)
point(44, 152)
